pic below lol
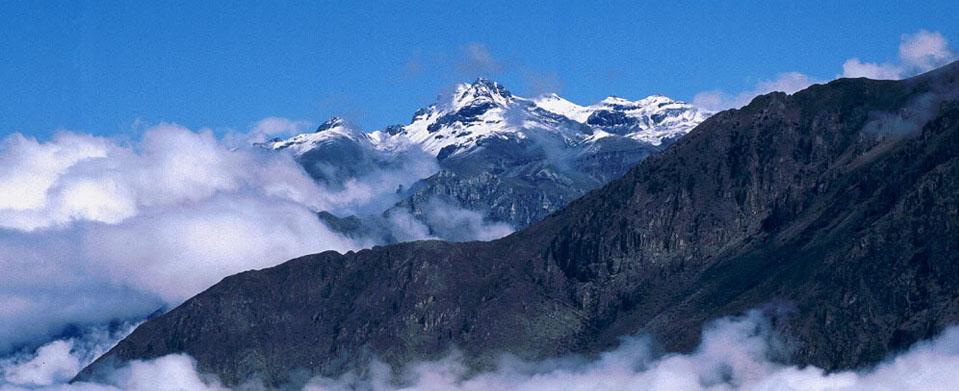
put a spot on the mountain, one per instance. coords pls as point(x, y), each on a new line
point(335, 152)
point(835, 210)
point(513, 159)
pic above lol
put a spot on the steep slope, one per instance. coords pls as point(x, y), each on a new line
point(836, 209)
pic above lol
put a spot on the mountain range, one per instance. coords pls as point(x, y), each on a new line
point(514, 160)
point(834, 210)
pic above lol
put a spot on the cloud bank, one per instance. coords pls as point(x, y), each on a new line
point(92, 230)
point(736, 353)
point(58, 361)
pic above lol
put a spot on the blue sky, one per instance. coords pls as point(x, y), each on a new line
point(109, 68)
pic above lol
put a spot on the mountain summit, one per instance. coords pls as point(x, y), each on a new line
point(486, 108)
point(334, 122)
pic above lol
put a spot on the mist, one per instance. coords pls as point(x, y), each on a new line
point(93, 230)
point(736, 353)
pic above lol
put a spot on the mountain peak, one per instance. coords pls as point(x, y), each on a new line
point(656, 98)
point(482, 89)
point(331, 123)
point(549, 96)
point(486, 83)
point(615, 100)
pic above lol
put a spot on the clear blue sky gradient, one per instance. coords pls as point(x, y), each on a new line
point(105, 67)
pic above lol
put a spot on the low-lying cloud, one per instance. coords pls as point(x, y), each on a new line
point(737, 353)
point(59, 361)
point(92, 230)
point(442, 220)
point(379, 186)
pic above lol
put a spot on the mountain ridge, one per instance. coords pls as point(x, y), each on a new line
point(511, 159)
point(837, 204)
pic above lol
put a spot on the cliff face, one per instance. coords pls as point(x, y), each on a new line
point(836, 208)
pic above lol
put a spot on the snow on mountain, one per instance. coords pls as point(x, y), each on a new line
point(484, 108)
point(651, 120)
point(513, 159)
point(556, 104)
point(334, 129)
point(474, 112)
point(339, 155)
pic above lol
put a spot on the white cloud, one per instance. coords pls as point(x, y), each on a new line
point(918, 52)
point(375, 191)
point(59, 361)
point(735, 354)
point(405, 227)
point(270, 127)
point(924, 51)
point(53, 363)
point(177, 252)
point(81, 178)
point(788, 82)
point(853, 67)
point(443, 221)
point(478, 61)
point(455, 223)
point(92, 230)
point(31, 168)
point(713, 100)
point(172, 372)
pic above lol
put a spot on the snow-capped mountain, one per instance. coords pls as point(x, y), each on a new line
point(651, 120)
point(513, 159)
point(486, 109)
point(336, 152)
point(477, 111)
point(332, 131)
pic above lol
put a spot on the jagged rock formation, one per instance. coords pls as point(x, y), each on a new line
point(838, 205)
